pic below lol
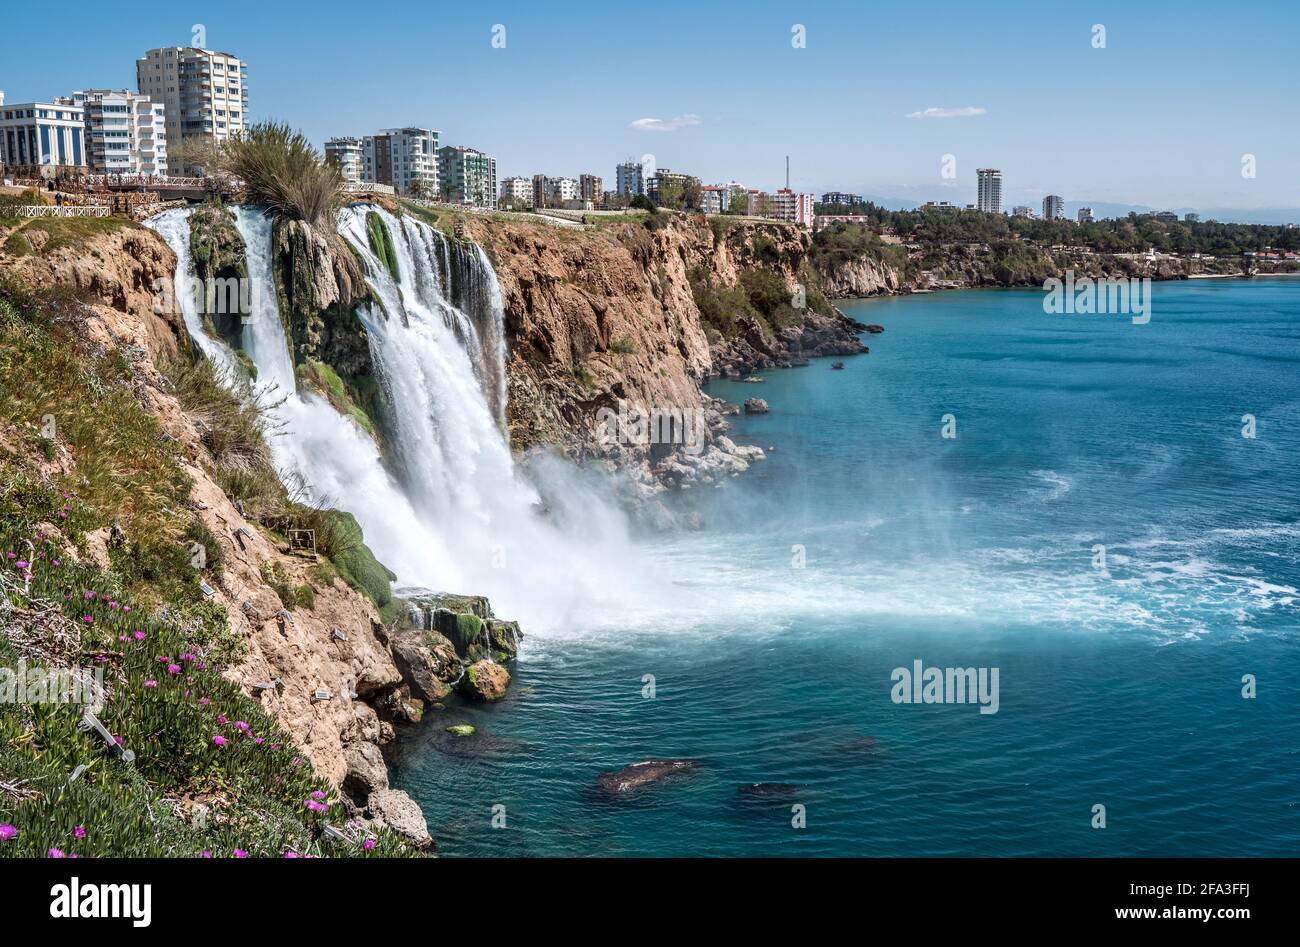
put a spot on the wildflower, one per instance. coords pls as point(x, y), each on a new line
point(205, 854)
point(140, 636)
point(187, 656)
point(79, 832)
point(291, 855)
point(318, 794)
point(55, 853)
point(88, 619)
point(296, 761)
point(315, 806)
point(203, 702)
point(7, 832)
point(368, 845)
point(218, 739)
point(163, 659)
point(221, 719)
point(259, 740)
point(119, 741)
point(151, 683)
point(55, 563)
point(21, 564)
point(275, 746)
point(173, 669)
point(11, 555)
point(89, 596)
point(240, 853)
point(240, 725)
point(126, 608)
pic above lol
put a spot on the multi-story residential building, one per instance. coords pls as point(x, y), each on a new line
point(467, 176)
point(1191, 218)
point(347, 154)
point(126, 133)
point(563, 190)
point(793, 206)
point(1022, 210)
point(1053, 207)
point(406, 158)
point(591, 187)
point(45, 135)
point(988, 190)
point(1167, 217)
point(942, 207)
point(204, 95)
point(715, 198)
point(670, 185)
point(1085, 215)
point(517, 191)
point(844, 200)
point(630, 180)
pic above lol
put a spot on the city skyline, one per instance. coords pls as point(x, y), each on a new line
point(855, 113)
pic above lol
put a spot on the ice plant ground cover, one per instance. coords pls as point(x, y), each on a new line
point(196, 738)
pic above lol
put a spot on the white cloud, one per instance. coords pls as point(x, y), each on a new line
point(967, 111)
point(665, 125)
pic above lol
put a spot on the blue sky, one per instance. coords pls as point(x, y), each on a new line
point(1161, 116)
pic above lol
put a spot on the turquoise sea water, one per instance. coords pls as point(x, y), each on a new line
point(1118, 687)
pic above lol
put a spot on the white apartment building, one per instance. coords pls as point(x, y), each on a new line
point(989, 190)
point(406, 158)
point(630, 179)
point(347, 154)
point(564, 189)
point(1053, 207)
point(1085, 215)
point(204, 94)
point(126, 133)
point(793, 206)
point(517, 190)
point(48, 135)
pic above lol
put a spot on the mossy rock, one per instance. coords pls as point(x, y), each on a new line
point(461, 730)
point(469, 629)
point(357, 564)
point(381, 244)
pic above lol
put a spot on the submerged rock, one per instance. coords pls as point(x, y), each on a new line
point(640, 775)
point(485, 680)
point(461, 730)
point(768, 792)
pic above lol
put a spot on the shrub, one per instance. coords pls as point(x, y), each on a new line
point(283, 172)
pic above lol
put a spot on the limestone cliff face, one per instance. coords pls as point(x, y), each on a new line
point(863, 276)
point(610, 314)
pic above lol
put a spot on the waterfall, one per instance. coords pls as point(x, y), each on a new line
point(174, 227)
point(448, 510)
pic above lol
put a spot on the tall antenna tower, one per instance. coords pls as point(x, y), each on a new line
point(787, 172)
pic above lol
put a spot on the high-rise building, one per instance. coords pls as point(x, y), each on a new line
point(467, 176)
point(842, 199)
point(44, 135)
point(126, 133)
point(989, 190)
point(204, 95)
point(347, 154)
point(517, 191)
point(1085, 215)
point(1022, 210)
point(1053, 207)
point(591, 187)
point(406, 158)
point(630, 180)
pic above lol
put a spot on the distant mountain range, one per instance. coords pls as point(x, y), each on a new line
point(1100, 209)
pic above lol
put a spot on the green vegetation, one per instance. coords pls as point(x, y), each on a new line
point(624, 345)
point(61, 232)
point(1132, 234)
point(283, 172)
point(327, 381)
point(760, 295)
point(584, 378)
point(99, 571)
point(381, 244)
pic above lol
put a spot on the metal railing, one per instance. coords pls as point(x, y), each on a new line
point(68, 210)
point(367, 187)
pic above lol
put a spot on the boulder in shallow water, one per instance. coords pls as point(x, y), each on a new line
point(461, 730)
point(485, 680)
point(641, 775)
point(756, 406)
point(428, 663)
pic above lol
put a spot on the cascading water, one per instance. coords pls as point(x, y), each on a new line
point(443, 372)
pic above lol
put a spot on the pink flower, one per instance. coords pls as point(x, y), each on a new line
point(221, 719)
point(296, 761)
point(89, 596)
point(55, 853)
point(218, 739)
point(173, 669)
point(11, 555)
point(290, 854)
point(203, 702)
point(88, 619)
point(21, 564)
point(205, 854)
point(151, 683)
point(318, 794)
point(119, 741)
point(139, 636)
point(368, 844)
point(7, 832)
point(79, 832)
point(240, 853)
point(240, 725)
point(55, 563)
point(275, 746)
point(315, 806)
point(259, 740)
